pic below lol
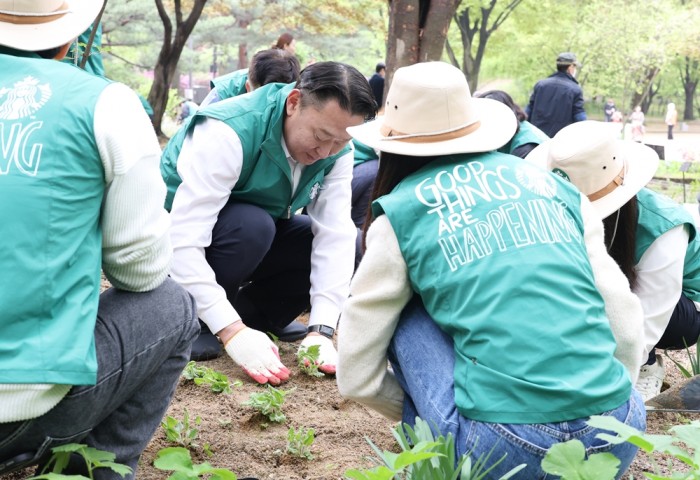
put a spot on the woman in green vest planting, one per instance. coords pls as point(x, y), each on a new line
point(517, 325)
point(653, 239)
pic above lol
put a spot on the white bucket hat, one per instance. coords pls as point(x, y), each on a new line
point(36, 25)
point(607, 170)
point(429, 110)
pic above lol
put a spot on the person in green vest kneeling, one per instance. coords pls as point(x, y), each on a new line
point(80, 188)
point(486, 284)
point(246, 166)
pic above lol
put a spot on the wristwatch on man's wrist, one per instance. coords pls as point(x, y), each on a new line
point(324, 330)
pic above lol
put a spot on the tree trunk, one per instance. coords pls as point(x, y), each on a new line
point(169, 55)
point(242, 47)
point(417, 32)
point(690, 84)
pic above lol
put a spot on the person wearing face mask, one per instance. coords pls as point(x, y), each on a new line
point(557, 101)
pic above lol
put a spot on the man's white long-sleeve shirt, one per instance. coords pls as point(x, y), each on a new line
point(209, 165)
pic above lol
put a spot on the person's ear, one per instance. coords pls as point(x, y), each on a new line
point(63, 51)
point(293, 101)
point(248, 86)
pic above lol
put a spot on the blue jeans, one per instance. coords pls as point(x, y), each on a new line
point(422, 357)
point(143, 342)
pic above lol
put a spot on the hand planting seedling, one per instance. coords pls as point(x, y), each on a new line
point(181, 432)
point(93, 458)
point(307, 358)
point(299, 442)
point(218, 382)
point(269, 403)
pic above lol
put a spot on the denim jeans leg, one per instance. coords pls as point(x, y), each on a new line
point(143, 342)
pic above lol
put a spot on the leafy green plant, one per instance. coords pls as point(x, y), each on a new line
point(307, 358)
point(694, 361)
point(683, 444)
point(179, 460)
point(299, 442)
point(218, 382)
point(94, 459)
point(424, 457)
point(567, 460)
point(269, 403)
point(182, 432)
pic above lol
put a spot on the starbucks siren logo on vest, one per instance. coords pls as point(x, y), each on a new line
point(535, 180)
point(313, 193)
point(24, 99)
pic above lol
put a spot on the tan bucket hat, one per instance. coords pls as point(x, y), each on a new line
point(36, 25)
point(607, 170)
point(429, 110)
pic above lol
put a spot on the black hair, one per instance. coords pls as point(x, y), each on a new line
point(324, 81)
point(273, 65)
point(392, 169)
point(563, 68)
point(380, 66)
point(621, 237)
point(50, 53)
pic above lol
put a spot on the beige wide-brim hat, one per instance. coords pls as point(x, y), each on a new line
point(429, 111)
point(35, 25)
point(609, 171)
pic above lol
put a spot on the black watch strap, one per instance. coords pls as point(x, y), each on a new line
point(324, 330)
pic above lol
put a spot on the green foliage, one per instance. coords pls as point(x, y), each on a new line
point(94, 459)
point(179, 460)
point(683, 444)
point(182, 432)
point(567, 460)
point(299, 442)
point(218, 382)
point(269, 403)
point(694, 361)
point(307, 358)
point(424, 457)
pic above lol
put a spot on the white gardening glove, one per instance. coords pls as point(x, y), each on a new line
point(258, 356)
point(327, 354)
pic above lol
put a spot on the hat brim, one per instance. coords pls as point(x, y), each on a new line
point(641, 164)
point(44, 36)
point(497, 127)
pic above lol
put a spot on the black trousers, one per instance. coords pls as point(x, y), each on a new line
point(684, 324)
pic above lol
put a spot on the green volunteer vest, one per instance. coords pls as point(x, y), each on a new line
point(230, 85)
point(495, 249)
point(52, 177)
point(527, 133)
point(363, 153)
point(659, 214)
point(266, 178)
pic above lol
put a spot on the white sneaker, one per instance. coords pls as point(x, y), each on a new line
point(651, 378)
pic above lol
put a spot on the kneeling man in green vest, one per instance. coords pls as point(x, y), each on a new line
point(247, 165)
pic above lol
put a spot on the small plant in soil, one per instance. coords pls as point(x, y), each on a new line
point(181, 432)
point(94, 459)
point(299, 442)
point(307, 358)
point(269, 403)
point(179, 461)
point(218, 382)
point(694, 361)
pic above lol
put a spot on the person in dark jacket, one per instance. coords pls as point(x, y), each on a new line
point(376, 81)
point(557, 101)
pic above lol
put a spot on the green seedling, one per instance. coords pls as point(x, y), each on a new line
point(269, 403)
point(179, 460)
point(218, 382)
point(183, 432)
point(299, 442)
point(307, 358)
point(94, 459)
point(694, 361)
point(568, 461)
point(424, 457)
